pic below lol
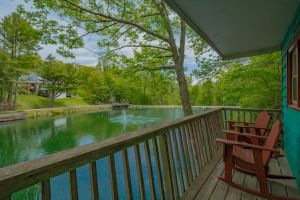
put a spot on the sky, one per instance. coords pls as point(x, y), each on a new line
point(83, 56)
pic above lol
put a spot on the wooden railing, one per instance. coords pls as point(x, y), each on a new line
point(248, 114)
point(162, 161)
point(174, 154)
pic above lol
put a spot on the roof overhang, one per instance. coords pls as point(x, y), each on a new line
point(238, 28)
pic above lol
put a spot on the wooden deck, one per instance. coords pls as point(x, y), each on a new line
point(208, 186)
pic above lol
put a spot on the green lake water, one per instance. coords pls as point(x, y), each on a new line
point(34, 138)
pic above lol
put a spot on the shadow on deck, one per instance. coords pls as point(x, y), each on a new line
point(208, 186)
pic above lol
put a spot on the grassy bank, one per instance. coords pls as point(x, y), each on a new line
point(25, 102)
point(49, 112)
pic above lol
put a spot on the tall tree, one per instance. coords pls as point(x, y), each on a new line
point(60, 77)
point(19, 40)
point(149, 26)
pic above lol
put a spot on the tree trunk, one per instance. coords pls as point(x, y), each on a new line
point(15, 98)
point(52, 98)
point(179, 62)
point(183, 90)
point(10, 94)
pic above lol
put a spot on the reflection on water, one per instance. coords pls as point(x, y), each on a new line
point(30, 139)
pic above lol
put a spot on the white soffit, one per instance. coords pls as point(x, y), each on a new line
point(239, 28)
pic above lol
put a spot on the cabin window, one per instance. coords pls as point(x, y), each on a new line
point(294, 77)
point(293, 74)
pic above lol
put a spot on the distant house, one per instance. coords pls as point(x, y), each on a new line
point(30, 84)
point(36, 85)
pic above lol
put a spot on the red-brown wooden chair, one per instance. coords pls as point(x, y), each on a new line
point(253, 160)
point(259, 127)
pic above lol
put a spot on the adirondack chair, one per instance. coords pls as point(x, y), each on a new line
point(260, 127)
point(253, 160)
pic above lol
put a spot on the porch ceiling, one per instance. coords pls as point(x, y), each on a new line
point(239, 28)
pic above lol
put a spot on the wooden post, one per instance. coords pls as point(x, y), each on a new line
point(73, 185)
point(113, 177)
point(94, 181)
point(46, 192)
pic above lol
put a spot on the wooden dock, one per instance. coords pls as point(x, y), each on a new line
point(119, 105)
point(12, 116)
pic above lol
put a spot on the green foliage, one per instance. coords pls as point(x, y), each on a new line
point(117, 85)
point(60, 77)
point(256, 82)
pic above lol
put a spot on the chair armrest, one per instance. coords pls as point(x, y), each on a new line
point(246, 145)
point(244, 134)
point(241, 122)
point(241, 126)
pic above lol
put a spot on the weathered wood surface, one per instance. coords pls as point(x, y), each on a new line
point(183, 153)
point(18, 176)
point(12, 116)
point(208, 186)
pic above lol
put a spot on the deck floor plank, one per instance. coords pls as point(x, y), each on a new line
point(220, 191)
point(277, 188)
point(233, 193)
point(250, 182)
point(214, 189)
point(290, 185)
point(210, 183)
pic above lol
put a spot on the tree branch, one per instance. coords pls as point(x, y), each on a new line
point(144, 29)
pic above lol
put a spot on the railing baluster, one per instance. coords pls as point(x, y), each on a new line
point(113, 178)
point(73, 185)
point(190, 150)
point(185, 157)
point(172, 164)
point(158, 170)
point(166, 164)
point(204, 142)
point(94, 181)
point(211, 134)
point(46, 192)
point(177, 156)
point(194, 148)
point(127, 173)
point(198, 143)
point(139, 171)
point(150, 171)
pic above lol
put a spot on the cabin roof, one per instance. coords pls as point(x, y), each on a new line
point(239, 28)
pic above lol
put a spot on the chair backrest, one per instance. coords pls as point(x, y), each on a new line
point(262, 121)
point(271, 141)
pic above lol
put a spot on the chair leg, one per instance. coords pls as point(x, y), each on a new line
point(261, 174)
point(228, 161)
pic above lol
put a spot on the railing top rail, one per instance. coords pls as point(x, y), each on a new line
point(251, 109)
point(18, 176)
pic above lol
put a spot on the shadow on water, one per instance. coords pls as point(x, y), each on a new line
point(35, 138)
